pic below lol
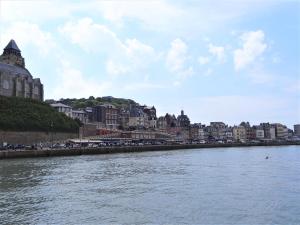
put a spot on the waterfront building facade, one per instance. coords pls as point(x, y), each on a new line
point(281, 131)
point(239, 133)
point(105, 115)
point(297, 130)
point(81, 115)
point(15, 79)
point(259, 133)
point(183, 120)
point(138, 119)
point(269, 131)
point(63, 108)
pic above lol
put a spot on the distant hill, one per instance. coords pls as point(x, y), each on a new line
point(92, 101)
point(23, 114)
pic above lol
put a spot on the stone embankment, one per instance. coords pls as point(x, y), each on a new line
point(123, 149)
point(28, 137)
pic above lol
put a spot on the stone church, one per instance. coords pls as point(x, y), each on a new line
point(15, 79)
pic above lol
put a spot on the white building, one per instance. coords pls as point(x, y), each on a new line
point(272, 133)
point(63, 108)
point(138, 119)
point(239, 133)
point(297, 129)
point(259, 133)
point(80, 114)
point(281, 131)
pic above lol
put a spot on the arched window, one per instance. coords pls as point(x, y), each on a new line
point(5, 84)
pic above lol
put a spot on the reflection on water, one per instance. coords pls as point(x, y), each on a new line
point(235, 185)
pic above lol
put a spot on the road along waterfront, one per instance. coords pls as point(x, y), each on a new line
point(124, 149)
point(226, 185)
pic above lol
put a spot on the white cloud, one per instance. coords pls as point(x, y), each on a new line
point(163, 16)
point(217, 51)
point(139, 53)
point(181, 18)
point(34, 11)
point(25, 33)
point(156, 15)
point(253, 47)
point(82, 87)
point(177, 58)
point(203, 60)
point(91, 37)
point(123, 57)
point(116, 69)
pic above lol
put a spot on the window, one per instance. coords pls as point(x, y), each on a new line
point(5, 84)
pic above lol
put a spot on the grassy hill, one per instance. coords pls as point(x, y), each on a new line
point(20, 114)
point(92, 101)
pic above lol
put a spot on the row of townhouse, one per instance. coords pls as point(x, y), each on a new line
point(243, 132)
point(264, 131)
point(138, 117)
point(109, 117)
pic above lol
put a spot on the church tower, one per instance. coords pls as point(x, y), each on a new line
point(12, 55)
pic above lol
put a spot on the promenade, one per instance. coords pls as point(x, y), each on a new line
point(7, 154)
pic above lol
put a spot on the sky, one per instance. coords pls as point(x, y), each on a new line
point(230, 60)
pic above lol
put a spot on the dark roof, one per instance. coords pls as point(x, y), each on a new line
point(136, 112)
point(12, 45)
point(13, 69)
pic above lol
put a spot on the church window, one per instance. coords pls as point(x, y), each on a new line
point(5, 84)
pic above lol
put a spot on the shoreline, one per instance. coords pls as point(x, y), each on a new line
point(10, 154)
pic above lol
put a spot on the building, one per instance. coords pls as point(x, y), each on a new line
point(105, 115)
point(218, 130)
point(194, 131)
point(151, 114)
point(201, 133)
point(162, 123)
point(89, 113)
point(123, 118)
point(15, 79)
point(183, 120)
point(259, 132)
point(138, 119)
point(229, 134)
point(250, 131)
point(63, 108)
point(281, 131)
point(269, 131)
point(239, 133)
point(297, 130)
point(80, 115)
point(111, 116)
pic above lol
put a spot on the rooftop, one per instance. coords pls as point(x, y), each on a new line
point(12, 45)
point(55, 105)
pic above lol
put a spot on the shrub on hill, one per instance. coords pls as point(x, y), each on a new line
point(92, 101)
point(23, 114)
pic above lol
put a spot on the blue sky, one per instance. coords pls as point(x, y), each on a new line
point(228, 61)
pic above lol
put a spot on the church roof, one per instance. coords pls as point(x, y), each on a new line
point(12, 45)
point(14, 69)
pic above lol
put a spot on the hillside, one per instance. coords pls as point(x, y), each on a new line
point(92, 101)
point(20, 114)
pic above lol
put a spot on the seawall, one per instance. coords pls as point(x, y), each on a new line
point(29, 137)
point(124, 149)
